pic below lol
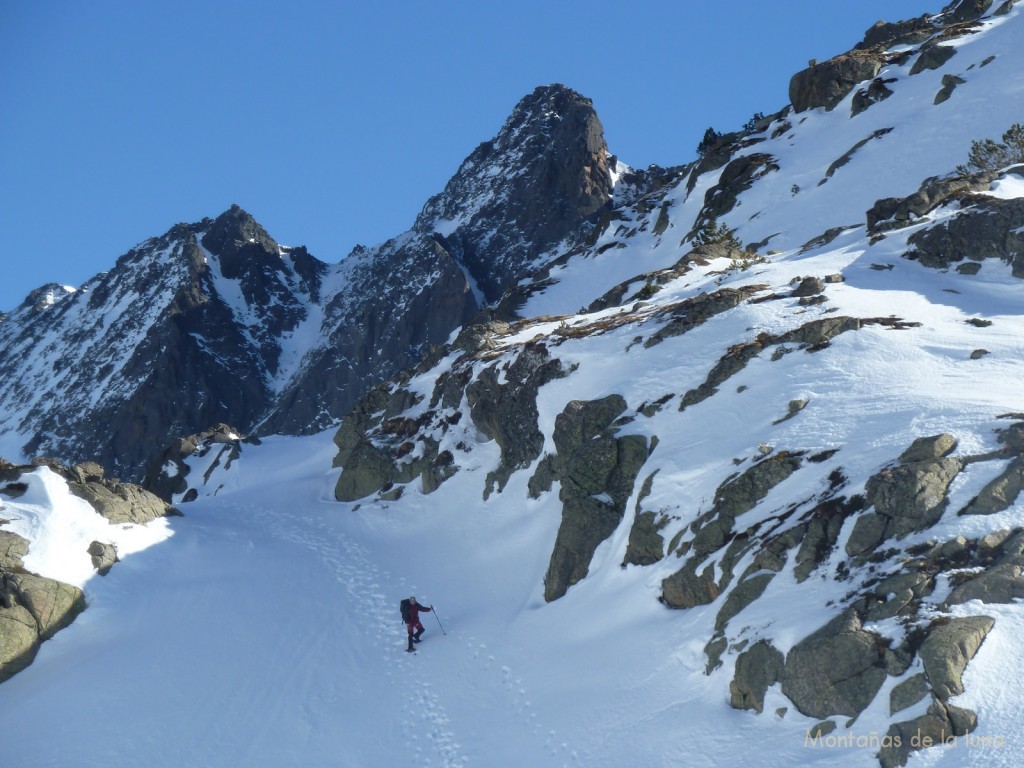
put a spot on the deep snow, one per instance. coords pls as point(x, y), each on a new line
point(265, 630)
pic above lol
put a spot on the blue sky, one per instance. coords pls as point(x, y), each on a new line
point(333, 122)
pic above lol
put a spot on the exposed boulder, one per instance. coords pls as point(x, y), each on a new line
point(757, 669)
point(947, 649)
point(908, 497)
point(103, 556)
point(932, 57)
point(32, 610)
point(827, 83)
point(1000, 493)
point(999, 584)
point(949, 84)
point(686, 588)
point(597, 471)
point(929, 448)
point(940, 723)
point(836, 670)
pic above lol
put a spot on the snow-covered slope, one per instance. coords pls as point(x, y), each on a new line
point(748, 508)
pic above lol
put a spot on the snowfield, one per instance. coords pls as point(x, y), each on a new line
point(262, 628)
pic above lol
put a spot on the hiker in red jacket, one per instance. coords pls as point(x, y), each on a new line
point(413, 624)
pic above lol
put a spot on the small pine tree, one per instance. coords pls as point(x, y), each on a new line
point(991, 155)
point(751, 124)
point(711, 137)
point(712, 232)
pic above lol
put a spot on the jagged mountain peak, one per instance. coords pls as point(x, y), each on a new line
point(543, 176)
point(235, 234)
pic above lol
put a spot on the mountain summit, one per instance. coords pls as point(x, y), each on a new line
point(216, 322)
point(535, 183)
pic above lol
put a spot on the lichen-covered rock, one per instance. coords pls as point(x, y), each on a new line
point(12, 549)
point(926, 448)
point(757, 669)
point(103, 556)
point(948, 648)
point(32, 610)
point(122, 502)
point(835, 671)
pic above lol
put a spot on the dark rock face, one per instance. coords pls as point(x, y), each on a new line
point(507, 411)
point(893, 212)
point(536, 182)
point(399, 299)
point(757, 669)
point(989, 228)
point(827, 83)
point(889, 34)
point(174, 338)
point(167, 476)
point(597, 471)
point(215, 322)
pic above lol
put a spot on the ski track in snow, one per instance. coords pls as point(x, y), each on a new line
point(424, 716)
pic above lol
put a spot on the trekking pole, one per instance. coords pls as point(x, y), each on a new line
point(434, 611)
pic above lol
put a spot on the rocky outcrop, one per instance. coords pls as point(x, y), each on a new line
point(757, 669)
point(596, 470)
point(894, 212)
point(118, 502)
point(503, 405)
point(694, 583)
point(167, 477)
point(811, 336)
point(986, 228)
point(835, 671)
point(827, 83)
point(738, 176)
point(544, 175)
point(204, 325)
point(32, 608)
point(947, 649)
point(1000, 493)
point(908, 497)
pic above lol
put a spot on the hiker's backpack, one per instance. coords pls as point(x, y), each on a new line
point(406, 612)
